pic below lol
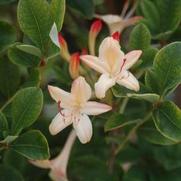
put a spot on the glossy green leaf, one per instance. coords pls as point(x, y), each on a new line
point(26, 108)
point(20, 57)
point(8, 173)
point(57, 8)
point(149, 132)
point(33, 145)
point(167, 119)
point(30, 49)
point(9, 77)
point(147, 97)
point(117, 121)
point(140, 38)
point(166, 72)
point(35, 21)
point(7, 35)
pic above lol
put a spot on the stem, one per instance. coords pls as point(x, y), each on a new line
point(123, 105)
point(121, 146)
point(53, 56)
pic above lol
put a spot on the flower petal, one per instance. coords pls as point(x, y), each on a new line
point(109, 18)
point(109, 52)
point(60, 95)
point(94, 63)
point(81, 90)
point(131, 58)
point(83, 129)
point(54, 35)
point(102, 85)
point(60, 122)
point(95, 108)
point(129, 81)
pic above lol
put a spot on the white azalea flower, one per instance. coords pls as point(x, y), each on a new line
point(114, 66)
point(119, 22)
point(58, 165)
point(74, 108)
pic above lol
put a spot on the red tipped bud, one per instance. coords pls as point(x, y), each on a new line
point(74, 65)
point(61, 40)
point(116, 35)
point(96, 26)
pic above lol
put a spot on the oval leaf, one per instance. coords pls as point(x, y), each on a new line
point(26, 108)
point(33, 145)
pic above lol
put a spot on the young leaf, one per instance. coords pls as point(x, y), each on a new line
point(140, 38)
point(7, 35)
point(167, 119)
point(26, 108)
point(35, 21)
point(9, 77)
point(33, 145)
point(8, 173)
point(57, 8)
point(166, 72)
point(20, 57)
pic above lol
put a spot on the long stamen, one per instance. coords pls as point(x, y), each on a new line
point(60, 109)
point(131, 12)
point(125, 8)
point(124, 60)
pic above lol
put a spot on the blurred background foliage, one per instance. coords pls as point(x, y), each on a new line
point(148, 158)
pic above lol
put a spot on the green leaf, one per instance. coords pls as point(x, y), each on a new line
point(7, 35)
point(35, 21)
point(149, 132)
point(117, 121)
point(3, 125)
point(30, 49)
point(26, 108)
point(20, 57)
point(148, 57)
point(162, 17)
point(150, 97)
point(167, 119)
point(9, 77)
point(57, 8)
point(140, 38)
point(33, 145)
point(85, 7)
point(166, 72)
point(8, 173)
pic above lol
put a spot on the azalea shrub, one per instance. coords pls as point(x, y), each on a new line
point(89, 90)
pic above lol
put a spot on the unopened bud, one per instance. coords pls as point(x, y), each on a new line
point(94, 31)
point(64, 48)
point(74, 65)
point(116, 36)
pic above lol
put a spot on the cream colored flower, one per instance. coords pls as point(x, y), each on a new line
point(119, 22)
point(114, 66)
point(74, 108)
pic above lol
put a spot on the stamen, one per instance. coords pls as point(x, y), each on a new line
point(124, 60)
point(60, 109)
